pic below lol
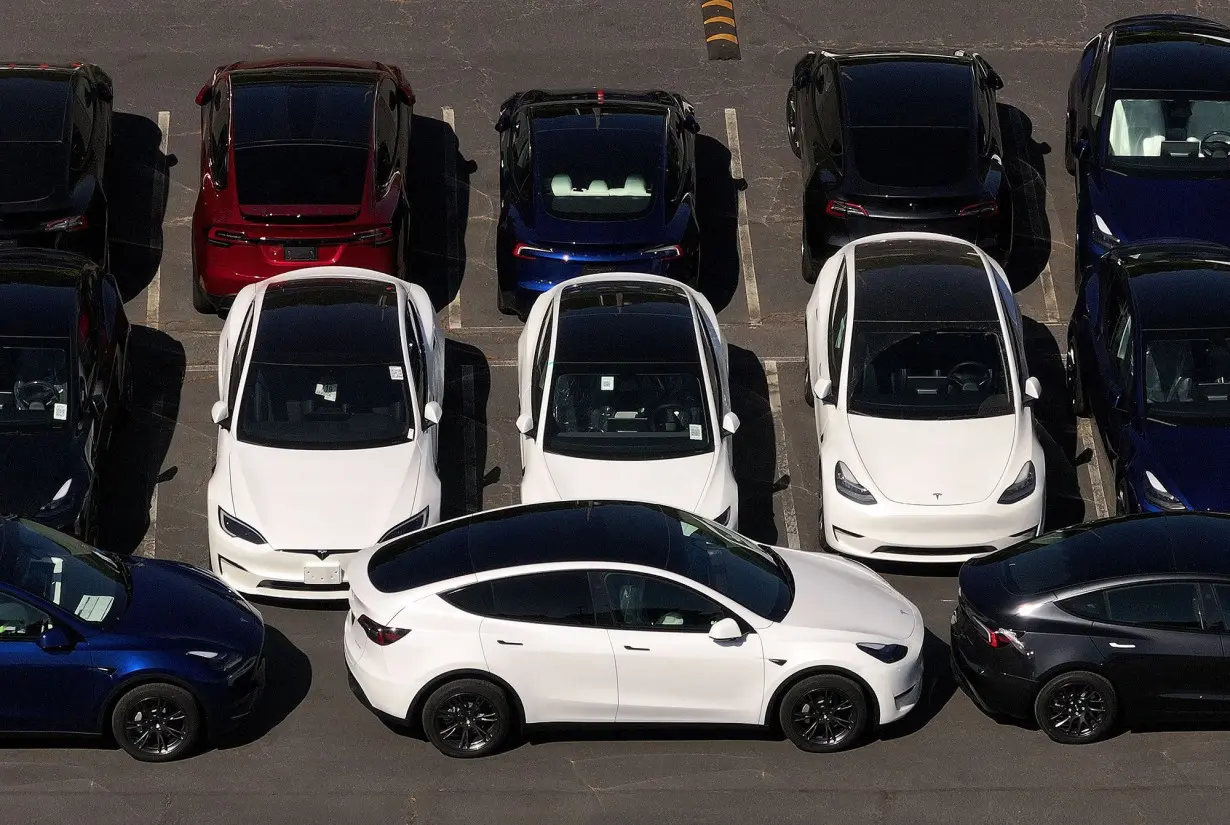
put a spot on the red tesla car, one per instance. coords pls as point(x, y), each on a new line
point(302, 162)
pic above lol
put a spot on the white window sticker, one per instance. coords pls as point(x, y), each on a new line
point(624, 414)
point(608, 383)
point(696, 432)
point(396, 373)
point(59, 412)
point(94, 608)
point(327, 391)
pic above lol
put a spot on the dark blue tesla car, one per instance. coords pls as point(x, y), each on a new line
point(594, 182)
point(156, 654)
point(1149, 359)
point(1148, 134)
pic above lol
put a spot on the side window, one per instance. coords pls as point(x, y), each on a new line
point(674, 161)
point(87, 341)
point(220, 133)
point(985, 110)
point(386, 132)
point(829, 110)
point(1222, 594)
point(715, 373)
point(418, 356)
point(1167, 605)
point(521, 153)
point(646, 603)
point(837, 328)
point(561, 597)
point(241, 355)
point(1099, 89)
point(538, 379)
point(1088, 56)
point(83, 123)
point(1122, 352)
point(19, 622)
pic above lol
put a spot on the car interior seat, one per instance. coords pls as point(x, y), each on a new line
point(1137, 128)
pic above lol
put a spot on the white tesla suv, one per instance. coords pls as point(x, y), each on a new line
point(916, 369)
point(329, 384)
point(624, 388)
point(599, 612)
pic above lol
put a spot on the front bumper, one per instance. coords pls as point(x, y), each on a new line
point(260, 570)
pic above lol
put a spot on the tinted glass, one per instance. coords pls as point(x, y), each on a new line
point(889, 93)
point(34, 383)
point(268, 175)
point(647, 603)
point(1187, 374)
point(1076, 556)
point(475, 598)
point(911, 157)
point(303, 112)
point(561, 597)
point(934, 372)
point(1169, 133)
point(592, 171)
point(80, 579)
point(34, 109)
point(425, 557)
point(19, 621)
point(1164, 604)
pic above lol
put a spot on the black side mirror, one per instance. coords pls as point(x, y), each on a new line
point(98, 404)
point(692, 124)
point(1082, 149)
point(104, 94)
point(802, 77)
point(503, 121)
point(205, 95)
point(55, 640)
point(996, 82)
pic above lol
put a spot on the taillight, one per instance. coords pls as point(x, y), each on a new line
point(665, 252)
point(980, 208)
point(377, 237)
point(841, 209)
point(524, 250)
point(223, 237)
point(380, 634)
point(997, 637)
point(74, 224)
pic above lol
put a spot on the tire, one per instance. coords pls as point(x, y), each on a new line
point(810, 271)
point(1123, 499)
point(1076, 692)
point(200, 301)
point(825, 713)
point(809, 398)
point(156, 722)
point(463, 709)
point(1069, 160)
point(1076, 386)
point(791, 120)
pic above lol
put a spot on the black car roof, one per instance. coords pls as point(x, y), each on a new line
point(626, 322)
point(921, 280)
point(892, 85)
point(329, 320)
point(1178, 287)
point(292, 74)
point(1182, 56)
point(614, 99)
point(38, 292)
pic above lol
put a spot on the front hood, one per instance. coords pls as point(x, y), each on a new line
point(911, 461)
point(1140, 208)
point(324, 499)
point(1197, 470)
point(173, 600)
point(675, 482)
point(33, 175)
point(35, 466)
point(832, 593)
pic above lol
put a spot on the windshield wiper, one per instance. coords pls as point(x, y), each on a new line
point(1160, 421)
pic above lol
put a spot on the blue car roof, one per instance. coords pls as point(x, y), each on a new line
point(1180, 289)
point(1195, 59)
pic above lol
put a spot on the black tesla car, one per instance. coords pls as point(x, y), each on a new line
point(55, 136)
point(895, 141)
point(63, 384)
point(1123, 620)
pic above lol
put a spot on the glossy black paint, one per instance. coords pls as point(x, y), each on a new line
point(1087, 598)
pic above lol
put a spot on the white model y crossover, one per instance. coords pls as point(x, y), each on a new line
point(625, 393)
point(598, 612)
point(916, 369)
point(329, 384)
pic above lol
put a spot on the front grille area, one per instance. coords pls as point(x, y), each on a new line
point(315, 552)
point(304, 588)
point(933, 551)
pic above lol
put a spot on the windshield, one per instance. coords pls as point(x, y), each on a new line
point(35, 109)
point(80, 579)
point(1177, 134)
point(34, 383)
point(941, 372)
point(590, 173)
point(733, 565)
point(614, 411)
point(1187, 374)
point(324, 407)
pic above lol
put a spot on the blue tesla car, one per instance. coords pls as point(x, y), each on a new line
point(158, 655)
point(1149, 359)
point(594, 182)
point(1148, 134)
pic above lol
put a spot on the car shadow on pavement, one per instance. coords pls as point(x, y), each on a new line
point(133, 464)
point(288, 678)
point(439, 186)
point(137, 183)
point(717, 213)
point(939, 685)
point(1057, 427)
point(464, 431)
point(1024, 163)
point(754, 445)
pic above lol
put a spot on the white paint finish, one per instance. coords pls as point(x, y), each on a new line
point(789, 514)
point(1084, 430)
point(747, 266)
point(450, 217)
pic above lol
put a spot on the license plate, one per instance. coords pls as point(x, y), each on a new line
point(594, 269)
point(314, 573)
point(299, 253)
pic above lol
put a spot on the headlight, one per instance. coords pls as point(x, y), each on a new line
point(1102, 233)
point(1159, 496)
point(235, 527)
point(1023, 487)
point(849, 487)
point(724, 517)
point(416, 522)
point(220, 661)
point(59, 500)
point(885, 653)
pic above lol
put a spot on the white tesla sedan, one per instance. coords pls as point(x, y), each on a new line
point(329, 384)
point(624, 390)
point(916, 369)
point(599, 612)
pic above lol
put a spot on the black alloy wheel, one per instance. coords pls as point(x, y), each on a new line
point(1124, 505)
point(1076, 708)
point(1076, 387)
point(792, 120)
point(467, 718)
point(156, 722)
point(824, 713)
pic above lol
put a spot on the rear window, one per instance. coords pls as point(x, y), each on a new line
point(294, 174)
point(303, 112)
point(893, 92)
point(34, 109)
point(422, 558)
point(1077, 556)
point(591, 173)
point(912, 157)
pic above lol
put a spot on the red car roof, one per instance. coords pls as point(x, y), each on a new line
point(308, 63)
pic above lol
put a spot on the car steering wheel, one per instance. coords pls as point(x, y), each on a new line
point(34, 392)
point(670, 413)
point(970, 376)
point(1215, 144)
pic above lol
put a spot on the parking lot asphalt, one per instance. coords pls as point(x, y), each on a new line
point(313, 754)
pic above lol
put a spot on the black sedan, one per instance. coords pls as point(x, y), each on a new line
point(894, 142)
point(64, 383)
point(1115, 621)
point(55, 136)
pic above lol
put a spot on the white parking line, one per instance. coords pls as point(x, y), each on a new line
point(1084, 431)
point(747, 267)
point(789, 516)
point(469, 438)
point(450, 219)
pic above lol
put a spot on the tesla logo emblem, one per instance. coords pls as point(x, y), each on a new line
point(322, 553)
point(937, 498)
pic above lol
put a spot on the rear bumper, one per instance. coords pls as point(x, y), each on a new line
point(224, 271)
point(836, 233)
point(996, 694)
point(90, 243)
point(522, 281)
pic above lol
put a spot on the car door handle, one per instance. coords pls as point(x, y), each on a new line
point(630, 647)
point(1121, 646)
point(514, 644)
